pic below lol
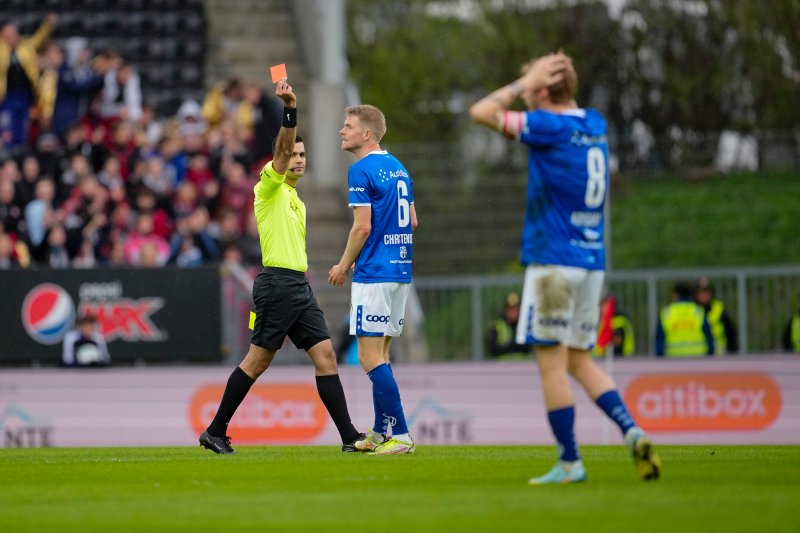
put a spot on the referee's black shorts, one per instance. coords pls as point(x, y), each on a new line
point(285, 305)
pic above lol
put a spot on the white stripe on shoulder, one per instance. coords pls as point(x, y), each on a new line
point(578, 112)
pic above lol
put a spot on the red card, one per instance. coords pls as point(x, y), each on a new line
point(277, 72)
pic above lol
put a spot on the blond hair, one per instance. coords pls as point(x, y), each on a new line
point(564, 91)
point(371, 119)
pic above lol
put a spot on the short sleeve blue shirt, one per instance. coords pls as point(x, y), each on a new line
point(567, 184)
point(380, 181)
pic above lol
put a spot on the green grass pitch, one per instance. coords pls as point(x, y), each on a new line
point(439, 488)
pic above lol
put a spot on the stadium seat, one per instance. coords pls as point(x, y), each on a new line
point(191, 49)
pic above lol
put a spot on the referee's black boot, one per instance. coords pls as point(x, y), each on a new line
point(216, 444)
point(352, 446)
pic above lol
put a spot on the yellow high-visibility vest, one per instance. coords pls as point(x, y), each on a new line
point(683, 330)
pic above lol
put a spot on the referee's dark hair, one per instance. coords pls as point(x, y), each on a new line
point(297, 139)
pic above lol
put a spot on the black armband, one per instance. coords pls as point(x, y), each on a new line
point(289, 119)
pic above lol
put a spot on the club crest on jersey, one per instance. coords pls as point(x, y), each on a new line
point(403, 252)
point(48, 312)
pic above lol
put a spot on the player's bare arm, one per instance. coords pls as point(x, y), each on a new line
point(414, 219)
point(359, 232)
point(541, 73)
point(488, 111)
point(284, 145)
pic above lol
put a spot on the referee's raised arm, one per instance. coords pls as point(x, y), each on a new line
point(284, 144)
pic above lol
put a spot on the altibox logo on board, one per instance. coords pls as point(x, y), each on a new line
point(269, 413)
point(696, 402)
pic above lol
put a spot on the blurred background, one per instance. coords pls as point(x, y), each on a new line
point(133, 132)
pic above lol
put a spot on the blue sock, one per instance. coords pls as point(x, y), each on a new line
point(562, 421)
point(379, 426)
point(388, 394)
point(612, 405)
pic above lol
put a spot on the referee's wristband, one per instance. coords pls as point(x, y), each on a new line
point(289, 119)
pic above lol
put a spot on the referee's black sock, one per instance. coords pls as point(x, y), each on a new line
point(332, 395)
point(235, 391)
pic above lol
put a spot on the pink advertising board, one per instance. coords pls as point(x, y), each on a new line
point(754, 400)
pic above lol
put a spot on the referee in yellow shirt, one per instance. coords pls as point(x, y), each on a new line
point(284, 302)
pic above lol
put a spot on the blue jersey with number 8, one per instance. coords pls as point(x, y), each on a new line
point(567, 183)
point(380, 181)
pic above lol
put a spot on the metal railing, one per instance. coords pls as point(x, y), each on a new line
point(458, 309)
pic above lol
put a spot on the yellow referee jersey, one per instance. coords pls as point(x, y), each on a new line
point(281, 218)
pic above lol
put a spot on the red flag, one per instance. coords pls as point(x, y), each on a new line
point(604, 331)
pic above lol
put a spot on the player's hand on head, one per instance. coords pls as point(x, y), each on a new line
point(547, 70)
point(284, 91)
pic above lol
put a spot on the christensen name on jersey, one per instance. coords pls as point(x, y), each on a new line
point(398, 238)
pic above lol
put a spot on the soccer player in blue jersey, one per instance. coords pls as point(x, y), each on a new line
point(563, 252)
point(380, 245)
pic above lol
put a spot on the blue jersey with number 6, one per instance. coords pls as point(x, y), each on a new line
point(567, 183)
point(380, 181)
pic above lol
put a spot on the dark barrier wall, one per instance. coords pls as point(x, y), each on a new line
point(154, 315)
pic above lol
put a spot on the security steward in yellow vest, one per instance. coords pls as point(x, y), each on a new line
point(683, 329)
point(501, 341)
point(791, 334)
point(723, 328)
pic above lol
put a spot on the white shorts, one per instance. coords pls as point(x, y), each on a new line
point(570, 316)
point(378, 309)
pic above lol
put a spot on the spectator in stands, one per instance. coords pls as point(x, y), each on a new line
point(122, 94)
point(249, 242)
point(150, 256)
point(501, 339)
point(85, 346)
point(170, 149)
point(190, 119)
point(184, 253)
point(146, 202)
point(79, 168)
point(262, 113)
point(726, 339)
point(40, 214)
point(150, 128)
point(237, 191)
point(115, 255)
point(207, 185)
point(110, 177)
point(8, 258)
point(57, 254)
point(63, 90)
point(222, 102)
point(232, 149)
point(683, 329)
point(226, 228)
point(157, 179)
point(123, 147)
point(9, 171)
point(10, 212)
point(26, 186)
point(50, 155)
point(195, 228)
point(86, 213)
point(19, 79)
point(85, 258)
point(791, 333)
point(143, 241)
point(185, 200)
point(77, 141)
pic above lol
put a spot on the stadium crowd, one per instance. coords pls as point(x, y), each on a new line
point(90, 175)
